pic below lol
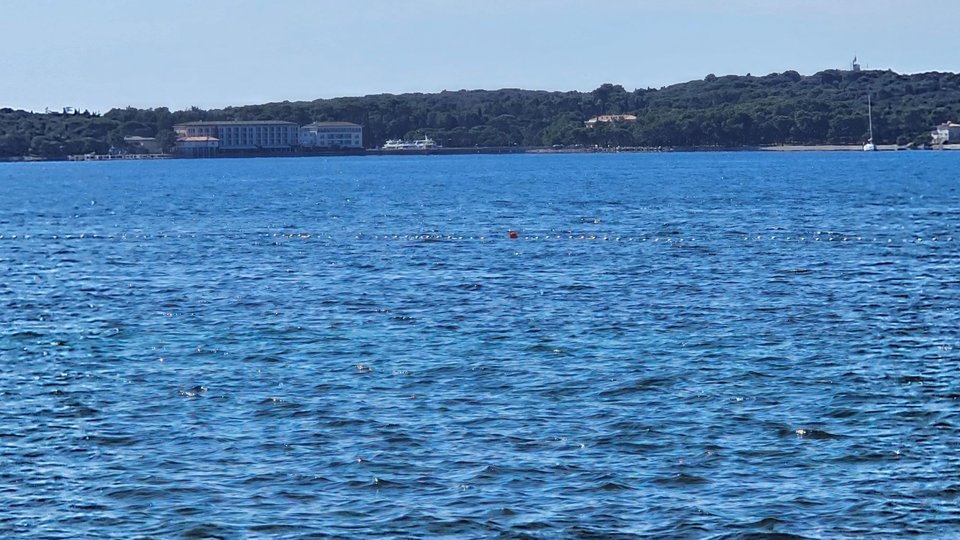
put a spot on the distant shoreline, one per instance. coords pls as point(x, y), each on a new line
point(828, 148)
point(496, 150)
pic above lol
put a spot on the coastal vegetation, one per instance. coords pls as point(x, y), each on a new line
point(718, 111)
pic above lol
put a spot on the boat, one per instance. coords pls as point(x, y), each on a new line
point(425, 143)
point(869, 146)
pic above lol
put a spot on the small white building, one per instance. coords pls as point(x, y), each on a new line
point(198, 146)
point(149, 144)
point(610, 119)
point(331, 135)
point(244, 135)
point(946, 133)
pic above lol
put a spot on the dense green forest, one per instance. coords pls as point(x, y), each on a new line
point(829, 107)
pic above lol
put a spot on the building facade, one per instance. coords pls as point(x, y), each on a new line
point(331, 135)
point(198, 146)
point(239, 135)
point(946, 133)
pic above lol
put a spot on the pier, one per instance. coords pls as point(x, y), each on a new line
point(116, 157)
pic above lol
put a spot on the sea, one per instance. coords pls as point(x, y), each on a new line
point(674, 345)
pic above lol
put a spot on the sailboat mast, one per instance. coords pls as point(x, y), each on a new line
point(870, 116)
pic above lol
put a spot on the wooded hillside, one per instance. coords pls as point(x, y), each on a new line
point(829, 107)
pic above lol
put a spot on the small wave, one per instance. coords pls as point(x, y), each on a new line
point(681, 479)
point(814, 434)
point(193, 391)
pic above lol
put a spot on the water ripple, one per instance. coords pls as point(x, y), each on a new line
point(356, 347)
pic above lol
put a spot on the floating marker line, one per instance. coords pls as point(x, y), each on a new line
point(512, 236)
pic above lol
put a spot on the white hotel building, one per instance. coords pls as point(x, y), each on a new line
point(331, 135)
point(249, 135)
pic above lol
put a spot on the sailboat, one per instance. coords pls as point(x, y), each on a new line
point(869, 146)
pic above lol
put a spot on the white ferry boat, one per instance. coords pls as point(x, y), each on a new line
point(425, 143)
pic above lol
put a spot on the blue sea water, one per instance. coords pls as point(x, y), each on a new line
point(717, 345)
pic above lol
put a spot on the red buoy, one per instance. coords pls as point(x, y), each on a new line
point(513, 235)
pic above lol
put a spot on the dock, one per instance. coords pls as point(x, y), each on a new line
point(116, 157)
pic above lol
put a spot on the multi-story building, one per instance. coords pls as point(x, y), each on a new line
point(331, 135)
point(244, 135)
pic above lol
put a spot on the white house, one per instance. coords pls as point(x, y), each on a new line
point(331, 135)
point(610, 119)
point(946, 133)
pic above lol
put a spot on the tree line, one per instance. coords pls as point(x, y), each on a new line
point(829, 107)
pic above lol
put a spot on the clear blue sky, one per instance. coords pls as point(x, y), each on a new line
point(99, 54)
